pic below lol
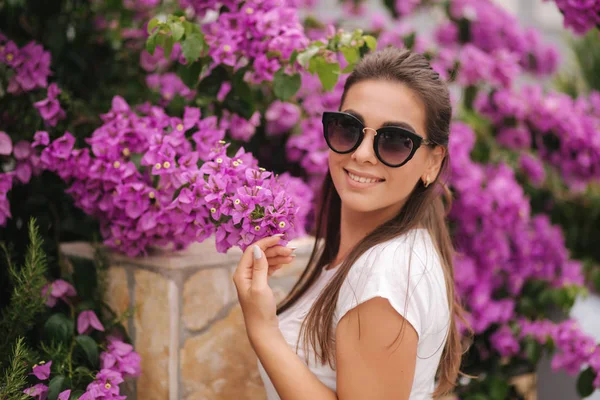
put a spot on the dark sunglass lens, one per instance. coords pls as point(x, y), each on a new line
point(394, 146)
point(342, 133)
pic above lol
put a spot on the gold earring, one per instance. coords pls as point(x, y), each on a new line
point(427, 182)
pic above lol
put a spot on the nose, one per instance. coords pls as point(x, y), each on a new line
point(365, 153)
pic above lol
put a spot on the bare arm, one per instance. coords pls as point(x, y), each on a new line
point(376, 365)
point(372, 367)
point(290, 376)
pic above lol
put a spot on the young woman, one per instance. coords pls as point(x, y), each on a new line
point(372, 316)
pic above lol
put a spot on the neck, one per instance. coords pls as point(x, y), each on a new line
point(356, 225)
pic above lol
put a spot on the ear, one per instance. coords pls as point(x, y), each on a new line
point(434, 163)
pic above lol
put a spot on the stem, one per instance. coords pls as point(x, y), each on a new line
point(72, 346)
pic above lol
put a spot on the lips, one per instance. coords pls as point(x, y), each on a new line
point(360, 180)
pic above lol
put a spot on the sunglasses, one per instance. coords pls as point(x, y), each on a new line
point(393, 145)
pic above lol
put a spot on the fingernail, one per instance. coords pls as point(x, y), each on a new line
point(257, 252)
point(278, 234)
point(292, 247)
point(293, 255)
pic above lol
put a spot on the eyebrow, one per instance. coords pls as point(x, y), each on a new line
point(400, 124)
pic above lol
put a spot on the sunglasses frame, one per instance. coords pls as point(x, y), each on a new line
point(416, 139)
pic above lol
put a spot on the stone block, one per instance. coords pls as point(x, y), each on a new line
point(205, 294)
point(220, 364)
point(116, 292)
point(152, 322)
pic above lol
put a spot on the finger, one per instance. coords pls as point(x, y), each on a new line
point(280, 260)
point(279, 251)
point(260, 268)
point(245, 266)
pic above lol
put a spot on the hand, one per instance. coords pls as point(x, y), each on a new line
point(250, 278)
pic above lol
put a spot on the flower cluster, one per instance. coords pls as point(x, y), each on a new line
point(580, 15)
point(180, 191)
point(563, 130)
point(257, 33)
point(309, 147)
point(30, 63)
point(50, 108)
point(26, 162)
point(492, 28)
point(119, 361)
point(247, 203)
point(476, 67)
point(574, 349)
point(169, 85)
point(503, 246)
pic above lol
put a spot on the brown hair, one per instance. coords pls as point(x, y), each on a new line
point(425, 207)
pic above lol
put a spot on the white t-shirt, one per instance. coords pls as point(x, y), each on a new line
point(408, 273)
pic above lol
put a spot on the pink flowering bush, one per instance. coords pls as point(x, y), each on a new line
point(77, 347)
point(220, 135)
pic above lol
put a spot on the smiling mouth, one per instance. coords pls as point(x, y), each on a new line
point(359, 179)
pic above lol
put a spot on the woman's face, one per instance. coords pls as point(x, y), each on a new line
point(377, 102)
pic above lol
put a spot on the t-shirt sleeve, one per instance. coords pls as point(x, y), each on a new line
point(393, 271)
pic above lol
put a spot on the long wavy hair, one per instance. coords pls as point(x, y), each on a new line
point(425, 207)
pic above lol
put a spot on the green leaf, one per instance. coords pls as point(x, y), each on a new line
point(58, 327)
point(177, 31)
point(151, 43)
point(90, 348)
point(284, 85)
point(305, 57)
point(57, 385)
point(349, 68)
point(328, 73)
point(293, 57)
point(190, 28)
point(533, 350)
point(370, 41)
point(585, 382)
point(84, 277)
point(498, 388)
point(350, 54)
point(168, 45)
point(596, 279)
point(153, 24)
point(76, 394)
point(190, 73)
point(192, 46)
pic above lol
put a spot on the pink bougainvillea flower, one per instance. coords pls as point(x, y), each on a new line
point(86, 320)
point(39, 391)
point(42, 370)
point(59, 289)
point(6, 146)
point(64, 395)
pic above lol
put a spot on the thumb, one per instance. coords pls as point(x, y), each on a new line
point(260, 269)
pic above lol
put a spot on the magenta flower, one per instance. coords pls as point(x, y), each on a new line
point(40, 138)
point(64, 395)
point(50, 108)
point(59, 289)
point(39, 391)
point(87, 319)
point(42, 371)
point(120, 358)
point(6, 146)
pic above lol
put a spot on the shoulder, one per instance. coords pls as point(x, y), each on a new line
point(406, 271)
point(413, 253)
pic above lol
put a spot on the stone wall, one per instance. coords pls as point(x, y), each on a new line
point(188, 326)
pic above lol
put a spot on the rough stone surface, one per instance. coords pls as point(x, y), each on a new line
point(152, 336)
point(117, 291)
point(220, 364)
point(205, 294)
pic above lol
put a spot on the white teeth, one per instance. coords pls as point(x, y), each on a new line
point(361, 179)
